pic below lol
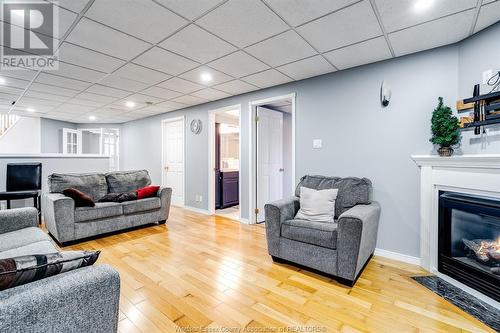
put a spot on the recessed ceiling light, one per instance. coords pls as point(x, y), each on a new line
point(421, 5)
point(206, 77)
point(2, 80)
point(130, 104)
point(92, 118)
point(30, 110)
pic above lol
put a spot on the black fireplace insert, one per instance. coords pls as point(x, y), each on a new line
point(469, 241)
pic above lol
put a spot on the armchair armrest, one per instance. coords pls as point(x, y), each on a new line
point(165, 195)
point(82, 300)
point(59, 216)
point(20, 218)
point(357, 238)
point(276, 213)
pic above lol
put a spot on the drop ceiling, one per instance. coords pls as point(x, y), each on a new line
point(153, 52)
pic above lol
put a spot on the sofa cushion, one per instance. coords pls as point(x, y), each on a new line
point(92, 184)
point(17, 271)
point(126, 181)
point(141, 205)
point(42, 247)
point(100, 211)
point(315, 233)
point(21, 237)
point(352, 191)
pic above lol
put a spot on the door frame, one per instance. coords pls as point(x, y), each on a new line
point(252, 166)
point(181, 119)
point(211, 157)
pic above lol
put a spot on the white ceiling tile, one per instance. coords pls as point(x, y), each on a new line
point(197, 44)
point(297, 12)
point(348, 26)
point(77, 72)
point(100, 38)
point(142, 74)
point(235, 87)
point(282, 49)
point(267, 78)
point(432, 34)
point(11, 90)
point(359, 54)
point(66, 19)
point(154, 109)
point(84, 102)
point(74, 5)
point(19, 74)
point(143, 19)
point(180, 85)
point(143, 99)
point(96, 97)
point(401, 14)
point(107, 91)
point(210, 94)
point(50, 97)
point(36, 102)
point(122, 105)
point(165, 61)
point(189, 100)
point(73, 108)
point(83, 57)
point(63, 82)
point(190, 9)
point(238, 64)
point(14, 83)
point(115, 81)
point(303, 69)
point(195, 76)
point(243, 22)
point(170, 105)
point(53, 90)
point(161, 93)
point(488, 15)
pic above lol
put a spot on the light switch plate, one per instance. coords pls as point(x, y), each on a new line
point(317, 144)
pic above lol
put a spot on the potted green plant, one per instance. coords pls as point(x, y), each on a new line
point(445, 129)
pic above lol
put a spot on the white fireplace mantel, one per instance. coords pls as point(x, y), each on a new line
point(472, 174)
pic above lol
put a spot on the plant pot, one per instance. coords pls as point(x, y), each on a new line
point(445, 151)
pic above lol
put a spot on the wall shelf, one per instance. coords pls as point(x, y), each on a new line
point(471, 126)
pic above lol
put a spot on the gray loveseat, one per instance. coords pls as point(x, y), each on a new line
point(340, 248)
point(81, 300)
point(67, 223)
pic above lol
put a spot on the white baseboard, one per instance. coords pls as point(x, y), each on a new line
point(197, 210)
point(244, 221)
point(397, 256)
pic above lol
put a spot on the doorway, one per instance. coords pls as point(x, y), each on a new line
point(224, 148)
point(173, 158)
point(272, 153)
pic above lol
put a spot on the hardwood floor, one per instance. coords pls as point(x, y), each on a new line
point(210, 272)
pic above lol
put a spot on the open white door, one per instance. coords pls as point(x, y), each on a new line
point(173, 158)
point(269, 158)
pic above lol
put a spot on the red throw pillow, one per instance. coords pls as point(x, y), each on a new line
point(147, 192)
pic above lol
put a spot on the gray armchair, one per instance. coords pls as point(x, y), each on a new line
point(341, 248)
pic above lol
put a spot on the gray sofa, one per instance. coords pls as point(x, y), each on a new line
point(81, 300)
point(341, 248)
point(67, 223)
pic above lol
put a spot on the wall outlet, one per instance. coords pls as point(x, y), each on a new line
point(317, 144)
point(199, 198)
point(487, 75)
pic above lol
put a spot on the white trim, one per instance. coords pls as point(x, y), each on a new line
point(491, 161)
point(197, 210)
point(211, 157)
point(397, 256)
point(170, 120)
point(253, 149)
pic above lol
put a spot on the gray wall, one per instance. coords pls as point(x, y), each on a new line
point(360, 138)
point(51, 134)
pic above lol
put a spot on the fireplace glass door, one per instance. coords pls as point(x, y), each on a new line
point(469, 241)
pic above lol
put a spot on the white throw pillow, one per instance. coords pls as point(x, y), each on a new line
point(318, 206)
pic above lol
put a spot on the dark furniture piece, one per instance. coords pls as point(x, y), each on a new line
point(229, 188)
point(24, 181)
point(340, 248)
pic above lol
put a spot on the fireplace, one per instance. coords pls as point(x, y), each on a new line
point(469, 240)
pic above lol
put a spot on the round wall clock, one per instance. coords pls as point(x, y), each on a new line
point(196, 126)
